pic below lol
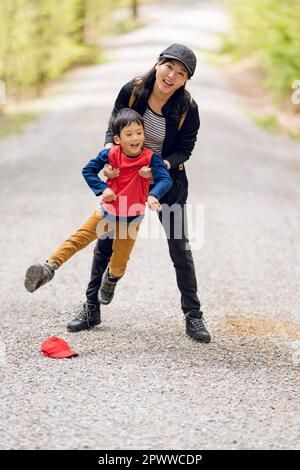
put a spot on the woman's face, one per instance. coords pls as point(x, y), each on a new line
point(170, 76)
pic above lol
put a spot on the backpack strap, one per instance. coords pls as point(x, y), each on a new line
point(184, 116)
point(181, 166)
point(132, 97)
point(182, 120)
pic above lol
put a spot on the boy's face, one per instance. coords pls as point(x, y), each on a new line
point(131, 139)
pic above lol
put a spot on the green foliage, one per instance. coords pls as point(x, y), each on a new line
point(270, 31)
point(40, 39)
point(14, 123)
point(269, 123)
point(295, 136)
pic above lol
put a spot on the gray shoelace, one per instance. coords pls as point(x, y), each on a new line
point(82, 312)
point(197, 322)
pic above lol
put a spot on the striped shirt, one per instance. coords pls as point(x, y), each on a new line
point(155, 130)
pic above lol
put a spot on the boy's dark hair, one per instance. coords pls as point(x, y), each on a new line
point(123, 118)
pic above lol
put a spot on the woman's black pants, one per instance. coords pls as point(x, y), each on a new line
point(175, 226)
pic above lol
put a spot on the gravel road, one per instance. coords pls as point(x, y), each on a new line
point(139, 381)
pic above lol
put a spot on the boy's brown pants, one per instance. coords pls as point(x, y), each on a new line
point(125, 235)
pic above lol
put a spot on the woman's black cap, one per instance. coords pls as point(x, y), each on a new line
point(183, 54)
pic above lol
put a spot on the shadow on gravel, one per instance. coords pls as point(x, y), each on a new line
point(260, 325)
point(257, 341)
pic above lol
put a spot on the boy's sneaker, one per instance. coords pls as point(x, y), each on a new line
point(39, 274)
point(107, 288)
point(87, 316)
point(195, 327)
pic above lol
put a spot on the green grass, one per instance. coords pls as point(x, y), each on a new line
point(215, 58)
point(294, 135)
point(14, 123)
point(269, 123)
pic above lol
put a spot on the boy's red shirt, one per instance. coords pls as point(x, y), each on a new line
point(131, 188)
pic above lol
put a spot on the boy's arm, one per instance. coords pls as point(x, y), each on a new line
point(91, 170)
point(161, 177)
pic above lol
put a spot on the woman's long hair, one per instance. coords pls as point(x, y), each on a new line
point(144, 85)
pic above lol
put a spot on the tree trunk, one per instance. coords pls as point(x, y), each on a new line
point(134, 6)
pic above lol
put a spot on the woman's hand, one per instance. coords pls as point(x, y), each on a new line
point(153, 203)
point(145, 172)
point(109, 195)
point(166, 162)
point(110, 172)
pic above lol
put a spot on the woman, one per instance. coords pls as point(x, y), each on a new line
point(171, 126)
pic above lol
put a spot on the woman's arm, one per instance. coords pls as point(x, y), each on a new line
point(146, 171)
point(161, 177)
point(108, 170)
point(186, 138)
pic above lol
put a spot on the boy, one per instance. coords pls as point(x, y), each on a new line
point(122, 205)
